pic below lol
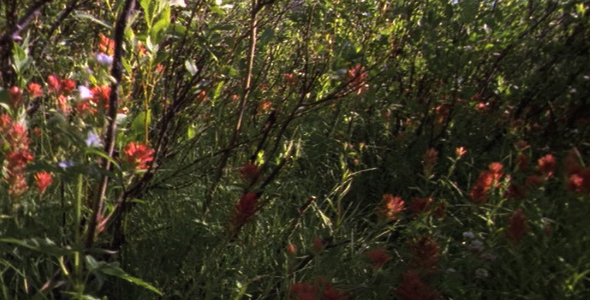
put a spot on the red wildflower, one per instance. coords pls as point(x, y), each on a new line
point(106, 45)
point(139, 155)
point(413, 288)
point(547, 164)
point(460, 151)
point(442, 113)
point(517, 226)
point(34, 90)
point(575, 183)
point(291, 249)
point(249, 172)
point(17, 184)
point(426, 253)
point(245, 208)
point(486, 180)
point(19, 158)
point(15, 96)
point(54, 84)
point(441, 210)
point(534, 181)
point(101, 96)
point(83, 107)
point(302, 291)
point(63, 103)
point(265, 106)
point(479, 194)
point(580, 181)
point(357, 77)
point(391, 208)
point(44, 180)
point(572, 163)
point(5, 120)
point(333, 294)
point(322, 289)
point(522, 163)
point(67, 85)
point(429, 160)
point(515, 192)
point(378, 257)
point(202, 96)
point(318, 245)
point(290, 78)
point(421, 205)
point(496, 168)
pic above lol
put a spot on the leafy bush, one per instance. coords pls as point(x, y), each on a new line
point(170, 149)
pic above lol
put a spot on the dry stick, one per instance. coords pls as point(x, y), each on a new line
point(243, 101)
point(116, 72)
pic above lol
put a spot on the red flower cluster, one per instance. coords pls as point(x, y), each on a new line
point(55, 85)
point(391, 208)
point(517, 226)
point(15, 96)
point(138, 155)
point(15, 139)
point(428, 205)
point(245, 209)
point(486, 180)
point(429, 161)
point(578, 176)
point(413, 288)
point(249, 172)
point(321, 290)
point(106, 45)
point(101, 96)
point(357, 77)
point(44, 180)
point(34, 90)
point(546, 165)
point(426, 253)
point(378, 257)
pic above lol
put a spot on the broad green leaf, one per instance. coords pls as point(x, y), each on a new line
point(161, 25)
point(138, 125)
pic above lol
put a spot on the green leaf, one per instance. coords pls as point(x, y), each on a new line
point(114, 270)
point(92, 18)
point(191, 132)
point(45, 245)
point(179, 29)
point(161, 25)
point(139, 123)
point(148, 10)
point(103, 155)
point(218, 90)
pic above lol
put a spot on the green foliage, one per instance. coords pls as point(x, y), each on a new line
point(294, 149)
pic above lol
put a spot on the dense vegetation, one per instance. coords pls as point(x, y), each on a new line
point(294, 149)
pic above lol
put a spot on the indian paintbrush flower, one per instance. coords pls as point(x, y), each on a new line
point(43, 180)
point(391, 208)
point(138, 155)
